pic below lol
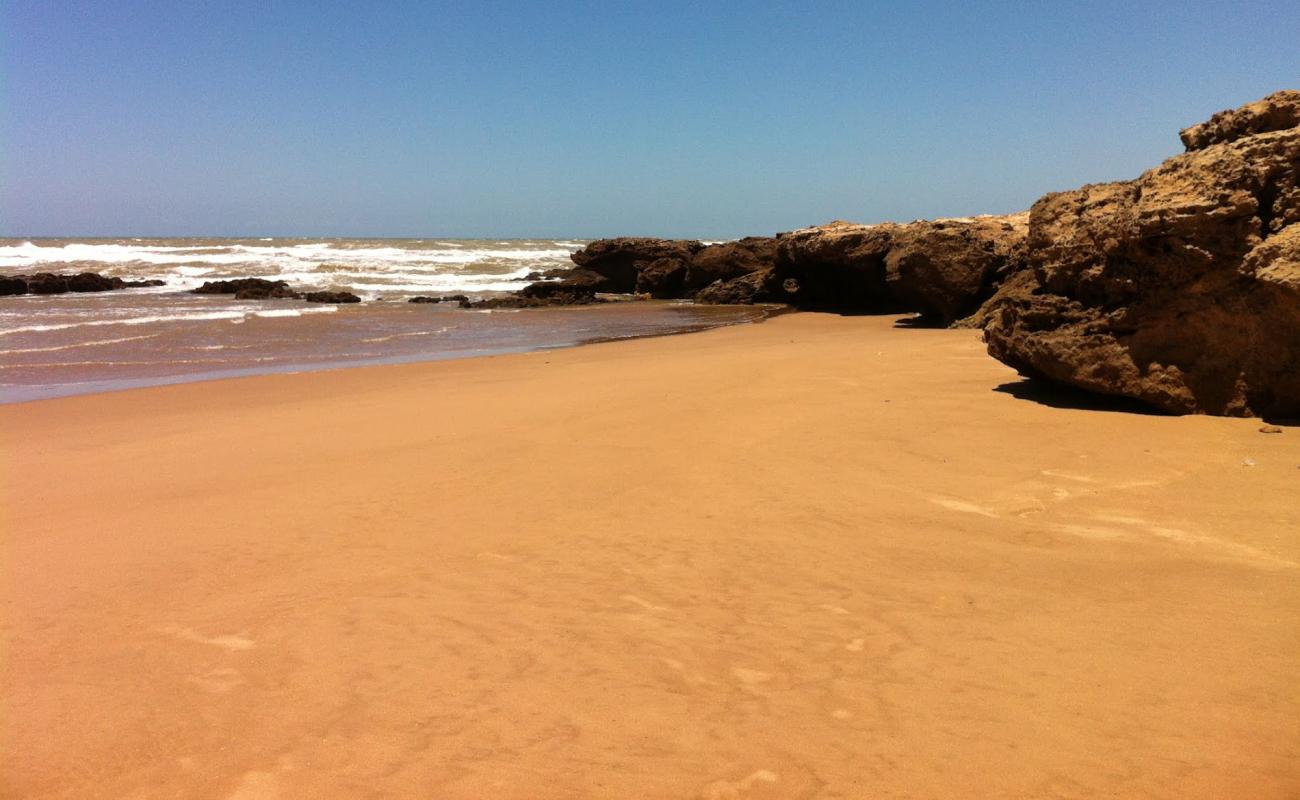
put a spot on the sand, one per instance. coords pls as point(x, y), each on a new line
point(817, 557)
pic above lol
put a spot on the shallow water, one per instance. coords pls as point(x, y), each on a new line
point(66, 344)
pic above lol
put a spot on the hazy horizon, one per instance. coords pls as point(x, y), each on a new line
point(509, 121)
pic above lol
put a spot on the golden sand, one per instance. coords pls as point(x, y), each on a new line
point(817, 557)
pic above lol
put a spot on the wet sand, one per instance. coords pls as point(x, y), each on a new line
point(816, 557)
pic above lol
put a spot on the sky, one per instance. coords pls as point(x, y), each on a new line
point(584, 119)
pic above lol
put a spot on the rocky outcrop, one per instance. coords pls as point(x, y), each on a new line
point(727, 261)
point(51, 283)
point(1277, 112)
point(619, 263)
point(262, 289)
point(1180, 288)
point(940, 268)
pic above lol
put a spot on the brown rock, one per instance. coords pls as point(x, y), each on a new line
point(1179, 288)
point(1277, 112)
point(662, 278)
point(745, 290)
point(728, 260)
point(619, 261)
point(941, 268)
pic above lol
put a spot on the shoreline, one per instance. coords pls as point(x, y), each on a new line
point(11, 394)
point(821, 554)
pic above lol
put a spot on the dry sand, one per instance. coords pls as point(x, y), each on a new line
point(818, 557)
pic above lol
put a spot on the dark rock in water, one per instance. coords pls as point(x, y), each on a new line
point(728, 260)
point(50, 283)
point(745, 290)
point(619, 261)
point(331, 297)
point(576, 282)
point(10, 286)
point(663, 278)
point(526, 301)
point(254, 288)
point(1180, 288)
point(451, 298)
point(554, 272)
point(264, 293)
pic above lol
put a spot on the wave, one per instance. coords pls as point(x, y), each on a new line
point(358, 266)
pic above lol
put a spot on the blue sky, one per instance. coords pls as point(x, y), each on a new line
point(596, 118)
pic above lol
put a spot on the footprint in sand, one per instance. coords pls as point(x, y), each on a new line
point(217, 681)
point(227, 642)
point(726, 790)
point(636, 601)
point(751, 677)
point(953, 504)
point(257, 786)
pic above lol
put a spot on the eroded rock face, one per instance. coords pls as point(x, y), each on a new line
point(1178, 288)
point(940, 268)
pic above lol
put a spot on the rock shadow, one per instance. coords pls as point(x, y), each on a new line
point(1057, 396)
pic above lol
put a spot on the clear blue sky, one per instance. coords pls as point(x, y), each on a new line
point(571, 118)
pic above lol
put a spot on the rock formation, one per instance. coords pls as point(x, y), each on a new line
point(51, 283)
point(262, 289)
point(1180, 288)
point(940, 268)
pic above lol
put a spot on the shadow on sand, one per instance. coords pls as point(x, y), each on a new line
point(1057, 396)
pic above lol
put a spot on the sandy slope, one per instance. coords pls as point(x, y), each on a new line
point(819, 557)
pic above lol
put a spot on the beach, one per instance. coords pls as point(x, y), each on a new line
point(820, 556)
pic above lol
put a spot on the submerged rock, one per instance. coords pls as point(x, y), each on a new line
point(1180, 288)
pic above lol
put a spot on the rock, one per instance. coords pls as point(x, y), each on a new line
point(728, 260)
point(663, 278)
point(331, 297)
point(50, 283)
point(941, 268)
point(1277, 112)
point(264, 293)
point(745, 290)
point(577, 282)
point(619, 261)
point(524, 301)
point(251, 288)
point(11, 286)
point(1270, 429)
point(93, 282)
point(1180, 288)
point(451, 298)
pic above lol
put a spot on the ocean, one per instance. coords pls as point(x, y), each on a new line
point(55, 345)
